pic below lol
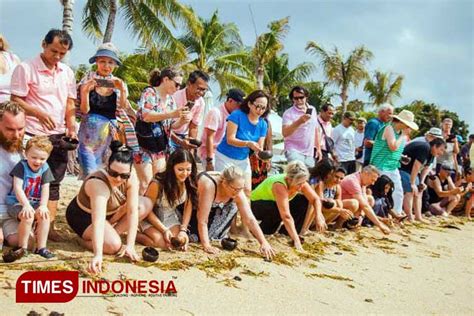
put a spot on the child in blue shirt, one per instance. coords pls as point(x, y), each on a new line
point(29, 198)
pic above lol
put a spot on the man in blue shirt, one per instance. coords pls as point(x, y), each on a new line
point(373, 126)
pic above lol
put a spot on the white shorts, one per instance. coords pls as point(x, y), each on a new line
point(222, 162)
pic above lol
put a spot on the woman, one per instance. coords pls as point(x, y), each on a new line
point(96, 214)
point(387, 152)
point(103, 98)
point(334, 208)
point(382, 191)
point(170, 191)
point(221, 196)
point(157, 108)
point(8, 62)
point(277, 199)
point(246, 130)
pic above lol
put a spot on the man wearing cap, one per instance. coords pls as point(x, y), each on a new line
point(299, 128)
point(419, 156)
point(192, 98)
point(46, 89)
point(444, 195)
point(343, 136)
point(359, 142)
point(373, 126)
point(214, 126)
point(387, 151)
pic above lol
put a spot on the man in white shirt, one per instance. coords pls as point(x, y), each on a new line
point(343, 136)
point(359, 142)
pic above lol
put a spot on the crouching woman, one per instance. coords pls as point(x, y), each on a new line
point(97, 213)
point(287, 197)
point(221, 196)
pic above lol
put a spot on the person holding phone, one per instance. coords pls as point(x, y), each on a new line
point(300, 129)
point(452, 147)
point(101, 94)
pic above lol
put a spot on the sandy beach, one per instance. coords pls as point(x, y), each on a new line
point(419, 269)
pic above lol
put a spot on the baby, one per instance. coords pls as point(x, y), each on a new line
point(30, 194)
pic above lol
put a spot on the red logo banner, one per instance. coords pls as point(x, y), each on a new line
point(47, 286)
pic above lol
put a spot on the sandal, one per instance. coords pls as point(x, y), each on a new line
point(45, 253)
point(14, 254)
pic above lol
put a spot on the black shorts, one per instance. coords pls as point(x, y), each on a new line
point(77, 218)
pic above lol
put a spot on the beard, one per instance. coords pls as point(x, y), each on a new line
point(11, 146)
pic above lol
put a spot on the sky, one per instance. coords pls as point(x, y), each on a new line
point(429, 42)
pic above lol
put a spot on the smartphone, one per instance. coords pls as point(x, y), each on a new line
point(309, 111)
point(105, 83)
point(451, 138)
point(189, 105)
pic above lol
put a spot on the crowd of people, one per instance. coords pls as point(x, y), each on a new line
point(148, 178)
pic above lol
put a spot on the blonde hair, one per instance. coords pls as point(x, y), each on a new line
point(41, 142)
point(232, 173)
point(10, 107)
point(4, 46)
point(296, 170)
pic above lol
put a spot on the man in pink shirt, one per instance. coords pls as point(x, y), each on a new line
point(299, 129)
point(46, 89)
point(324, 129)
point(215, 124)
point(192, 98)
point(354, 186)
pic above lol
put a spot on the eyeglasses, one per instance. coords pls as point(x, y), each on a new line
point(202, 90)
point(115, 174)
point(259, 107)
point(234, 188)
point(299, 98)
point(177, 84)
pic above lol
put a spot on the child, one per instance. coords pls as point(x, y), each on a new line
point(382, 192)
point(28, 200)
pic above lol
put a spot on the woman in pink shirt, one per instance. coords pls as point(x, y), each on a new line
point(8, 62)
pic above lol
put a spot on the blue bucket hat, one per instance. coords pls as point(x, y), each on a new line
point(106, 50)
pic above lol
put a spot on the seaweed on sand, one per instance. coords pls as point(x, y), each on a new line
point(229, 282)
point(327, 276)
point(254, 274)
point(174, 265)
point(217, 265)
point(282, 258)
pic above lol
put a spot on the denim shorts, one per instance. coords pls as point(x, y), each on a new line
point(406, 181)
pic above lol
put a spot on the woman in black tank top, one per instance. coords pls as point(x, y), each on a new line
point(221, 196)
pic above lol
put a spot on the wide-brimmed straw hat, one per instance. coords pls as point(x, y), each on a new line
point(106, 50)
point(407, 118)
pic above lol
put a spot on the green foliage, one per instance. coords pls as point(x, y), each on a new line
point(384, 87)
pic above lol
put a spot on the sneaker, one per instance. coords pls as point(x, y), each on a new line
point(45, 253)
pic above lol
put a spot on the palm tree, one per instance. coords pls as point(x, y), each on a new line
point(267, 46)
point(148, 20)
point(218, 51)
point(340, 72)
point(68, 16)
point(384, 87)
point(280, 79)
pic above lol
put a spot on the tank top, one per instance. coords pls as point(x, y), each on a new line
point(330, 193)
point(103, 105)
point(382, 156)
point(434, 198)
point(117, 195)
point(163, 207)
point(214, 203)
point(264, 190)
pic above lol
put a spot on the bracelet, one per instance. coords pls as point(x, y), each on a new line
point(184, 230)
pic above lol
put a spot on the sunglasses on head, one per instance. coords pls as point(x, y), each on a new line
point(115, 174)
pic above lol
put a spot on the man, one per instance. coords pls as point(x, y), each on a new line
point(46, 89)
point(355, 186)
point(359, 142)
point(12, 130)
point(465, 151)
point(344, 146)
point(299, 128)
point(452, 146)
point(214, 126)
point(192, 98)
point(430, 135)
point(420, 155)
point(324, 131)
point(373, 126)
point(444, 195)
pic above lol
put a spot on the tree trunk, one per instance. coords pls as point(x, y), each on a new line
point(344, 99)
point(260, 75)
point(68, 21)
point(109, 29)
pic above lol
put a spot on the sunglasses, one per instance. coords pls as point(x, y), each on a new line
point(299, 98)
point(177, 84)
point(259, 107)
point(234, 188)
point(115, 174)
